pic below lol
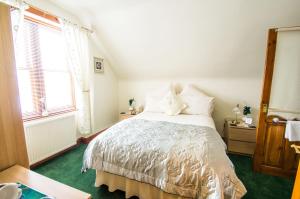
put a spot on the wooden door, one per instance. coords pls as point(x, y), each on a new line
point(273, 154)
point(12, 139)
point(296, 190)
point(274, 144)
point(278, 156)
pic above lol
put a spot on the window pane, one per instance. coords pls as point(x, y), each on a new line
point(43, 76)
point(58, 89)
point(52, 49)
point(25, 91)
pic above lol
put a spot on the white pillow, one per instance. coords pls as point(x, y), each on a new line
point(172, 104)
point(197, 102)
point(154, 98)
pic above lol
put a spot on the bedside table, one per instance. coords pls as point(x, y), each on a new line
point(124, 116)
point(239, 139)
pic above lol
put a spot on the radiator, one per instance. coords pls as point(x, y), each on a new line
point(49, 136)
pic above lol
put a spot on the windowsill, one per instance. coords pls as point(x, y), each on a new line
point(48, 119)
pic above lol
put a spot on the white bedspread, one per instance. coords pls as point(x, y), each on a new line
point(184, 159)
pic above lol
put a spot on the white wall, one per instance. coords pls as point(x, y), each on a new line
point(227, 91)
point(104, 95)
point(186, 38)
point(218, 44)
point(103, 90)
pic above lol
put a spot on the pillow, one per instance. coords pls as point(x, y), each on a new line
point(153, 99)
point(197, 102)
point(172, 104)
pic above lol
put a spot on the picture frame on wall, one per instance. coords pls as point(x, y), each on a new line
point(98, 65)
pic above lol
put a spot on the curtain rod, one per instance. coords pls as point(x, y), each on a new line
point(16, 4)
point(292, 28)
point(69, 21)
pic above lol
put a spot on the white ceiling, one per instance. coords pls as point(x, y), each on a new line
point(185, 38)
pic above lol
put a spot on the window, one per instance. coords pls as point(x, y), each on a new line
point(44, 80)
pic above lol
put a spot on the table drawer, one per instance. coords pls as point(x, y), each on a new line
point(242, 135)
point(241, 147)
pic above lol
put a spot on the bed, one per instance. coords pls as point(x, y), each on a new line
point(153, 155)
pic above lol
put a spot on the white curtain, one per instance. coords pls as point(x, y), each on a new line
point(76, 42)
point(13, 3)
point(17, 20)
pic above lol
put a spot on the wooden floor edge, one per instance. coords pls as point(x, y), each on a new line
point(81, 140)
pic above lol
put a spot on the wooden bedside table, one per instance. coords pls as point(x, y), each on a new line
point(124, 116)
point(239, 139)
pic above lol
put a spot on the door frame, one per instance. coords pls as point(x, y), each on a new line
point(259, 163)
point(265, 99)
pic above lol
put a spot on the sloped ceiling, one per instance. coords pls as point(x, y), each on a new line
point(185, 38)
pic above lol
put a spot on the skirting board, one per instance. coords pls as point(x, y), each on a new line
point(86, 140)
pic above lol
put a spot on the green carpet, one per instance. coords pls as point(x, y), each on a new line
point(66, 169)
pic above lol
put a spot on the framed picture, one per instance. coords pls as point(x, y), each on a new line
point(98, 65)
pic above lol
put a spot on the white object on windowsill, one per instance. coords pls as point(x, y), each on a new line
point(292, 131)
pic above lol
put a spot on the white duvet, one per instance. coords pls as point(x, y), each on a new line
point(182, 155)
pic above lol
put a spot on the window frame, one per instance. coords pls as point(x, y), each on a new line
point(37, 103)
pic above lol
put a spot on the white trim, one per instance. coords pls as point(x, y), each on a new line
point(48, 119)
point(283, 29)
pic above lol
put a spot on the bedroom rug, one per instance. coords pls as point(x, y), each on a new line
point(66, 169)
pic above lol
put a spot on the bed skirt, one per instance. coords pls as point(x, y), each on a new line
point(132, 187)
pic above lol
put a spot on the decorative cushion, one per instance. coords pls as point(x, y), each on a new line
point(172, 104)
point(154, 98)
point(197, 102)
